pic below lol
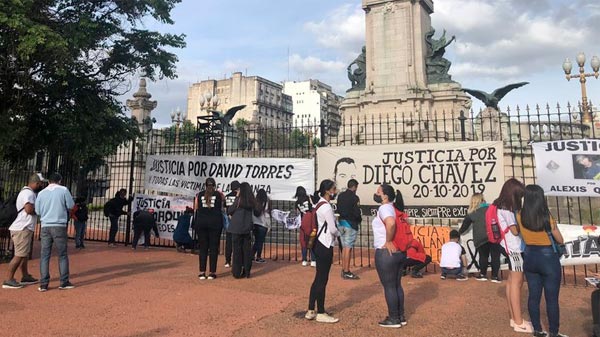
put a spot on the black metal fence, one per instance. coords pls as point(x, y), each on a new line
point(517, 128)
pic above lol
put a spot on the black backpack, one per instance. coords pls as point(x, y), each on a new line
point(9, 211)
point(107, 208)
point(82, 213)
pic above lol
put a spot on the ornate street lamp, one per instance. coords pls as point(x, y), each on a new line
point(568, 67)
point(177, 117)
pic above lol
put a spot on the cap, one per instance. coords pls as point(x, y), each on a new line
point(235, 185)
point(36, 178)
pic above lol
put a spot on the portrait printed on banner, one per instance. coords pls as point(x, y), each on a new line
point(586, 166)
point(344, 170)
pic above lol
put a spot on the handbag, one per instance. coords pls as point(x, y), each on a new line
point(557, 247)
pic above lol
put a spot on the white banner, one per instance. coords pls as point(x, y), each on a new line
point(186, 174)
point(581, 243)
point(436, 179)
point(568, 167)
point(166, 211)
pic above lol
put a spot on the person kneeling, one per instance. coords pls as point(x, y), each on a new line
point(454, 258)
point(417, 259)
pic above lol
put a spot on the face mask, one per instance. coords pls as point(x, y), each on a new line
point(332, 196)
point(377, 198)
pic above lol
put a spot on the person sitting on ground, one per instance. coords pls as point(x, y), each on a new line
point(143, 222)
point(181, 235)
point(416, 258)
point(454, 258)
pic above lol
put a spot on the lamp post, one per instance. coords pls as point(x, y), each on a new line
point(568, 66)
point(177, 117)
point(208, 101)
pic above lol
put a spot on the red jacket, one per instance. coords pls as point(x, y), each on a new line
point(416, 251)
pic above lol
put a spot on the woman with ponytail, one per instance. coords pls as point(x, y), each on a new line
point(323, 248)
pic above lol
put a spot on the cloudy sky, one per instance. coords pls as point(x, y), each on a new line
point(498, 42)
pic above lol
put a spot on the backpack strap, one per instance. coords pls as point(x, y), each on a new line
point(315, 215)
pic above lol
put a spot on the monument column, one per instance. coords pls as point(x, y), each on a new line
point(141, 106)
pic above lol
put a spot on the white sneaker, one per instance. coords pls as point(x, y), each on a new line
point(227, 265)
point(304, 263)
point(310, 315)
point(313, 263)
point(325, 318)
point(525, 327)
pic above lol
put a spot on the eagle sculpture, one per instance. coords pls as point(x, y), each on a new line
point(228, 116)
point(492, 100)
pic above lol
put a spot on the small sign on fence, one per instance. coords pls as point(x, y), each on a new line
point(568, 168)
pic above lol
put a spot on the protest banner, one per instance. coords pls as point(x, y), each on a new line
point(436, 180)
point(185, 175)
point(166, 211)
point(432, 238)
point(568, 167)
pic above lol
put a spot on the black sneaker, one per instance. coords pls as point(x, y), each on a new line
point(11, 284)
point(540, 334)
point(557, 335)
point(260, 260)
point(461, 277)
point(349, 276)
point(403, 320)
point(496, 280)
point(202, 276)
point(212, 276)
point(82, 246)
point(481, 277)
point(443, 277)
point(417, 274)
point(67, 285)
point(43, 288)
point(390, 323)
point(26, 280)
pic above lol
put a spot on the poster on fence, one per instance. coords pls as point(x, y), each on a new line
point(166, 211)
point(432, 238)
point(186, 174)
point(568, 167)
point(436, 179)
point(581, 245)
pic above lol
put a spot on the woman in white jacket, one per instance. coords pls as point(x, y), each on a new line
point(326, 235)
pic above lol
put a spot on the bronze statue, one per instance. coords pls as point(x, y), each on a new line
point(437, 66)
point(225, 120)
point(358, 76)
point(492, 100)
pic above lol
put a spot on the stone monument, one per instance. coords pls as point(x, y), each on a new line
point(141, 107)
point(402, 73)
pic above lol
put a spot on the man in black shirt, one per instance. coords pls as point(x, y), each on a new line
point(229, 199)
point(348, 207)
point(115, 210)
point(143, 222)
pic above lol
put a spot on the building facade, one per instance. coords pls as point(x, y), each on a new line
point(314, 101)
point(266, 104)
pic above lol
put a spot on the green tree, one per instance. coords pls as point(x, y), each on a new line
point(242, 134)
point(62, 65)
point(187, 133)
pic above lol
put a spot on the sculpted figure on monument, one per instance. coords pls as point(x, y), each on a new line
point(358, 75)
point(437, 65)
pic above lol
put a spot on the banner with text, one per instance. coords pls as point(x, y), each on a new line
point(186, 174)
point(581, 244)
point(436, 179)
point(166, 211)
point(568, 167)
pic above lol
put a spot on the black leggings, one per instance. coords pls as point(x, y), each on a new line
point(242, 255)
point(389, 268)
point(493, 249)
point(137, 232)
point(208, 245)
point(324, 259)
point(596, 311)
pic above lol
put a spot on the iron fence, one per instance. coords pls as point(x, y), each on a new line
point(517, 128)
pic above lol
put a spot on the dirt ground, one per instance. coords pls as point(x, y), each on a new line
point(121, 292)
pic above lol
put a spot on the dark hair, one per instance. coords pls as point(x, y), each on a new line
point(454, 234)
point(246, 197)
point(79, 200)
point(325, 186)
point(262, 199)
point(345, 160)
point(55, 178)
point(389, 191)
point(399, 202)
point(352, 183)
point(535, 214)
point(300, 193)
point(510, 195)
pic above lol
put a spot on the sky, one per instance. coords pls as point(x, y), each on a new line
point(497, 42)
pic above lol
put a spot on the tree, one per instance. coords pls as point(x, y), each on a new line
point(187, 133)
point(62, 65)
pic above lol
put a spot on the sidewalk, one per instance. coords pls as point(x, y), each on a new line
point(157, 293)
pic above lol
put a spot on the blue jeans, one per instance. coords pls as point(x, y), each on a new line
point(54, 236)
point(305, 254)
point(260, 233)
point(452, 271)
point(543, 272)
point(79, 233)
point(389, 268)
